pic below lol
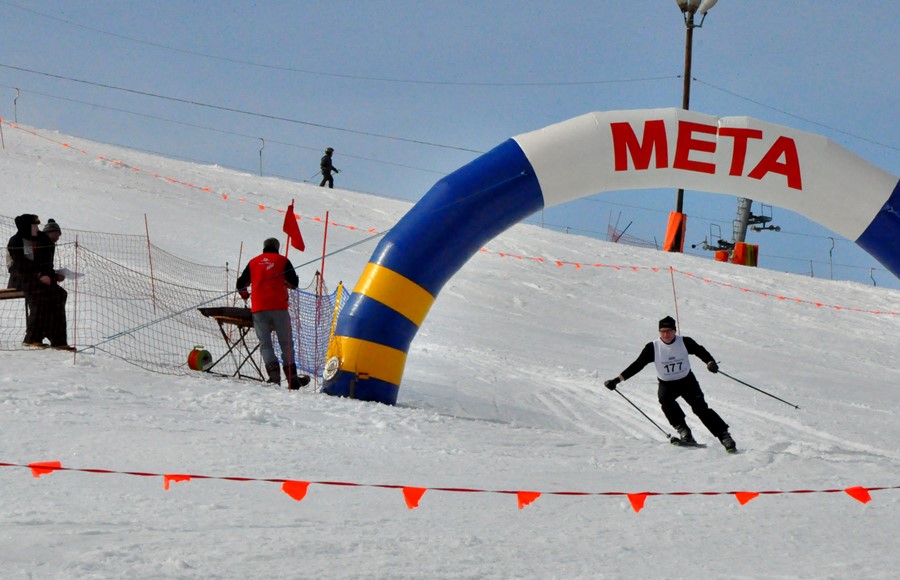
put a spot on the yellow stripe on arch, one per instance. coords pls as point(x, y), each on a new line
point(395, 291)
point(363, 357)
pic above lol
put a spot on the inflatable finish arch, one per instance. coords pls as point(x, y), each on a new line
point(601, 151)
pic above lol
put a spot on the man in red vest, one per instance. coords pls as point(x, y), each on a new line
point(269, 275)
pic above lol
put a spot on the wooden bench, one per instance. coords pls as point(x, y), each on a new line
point(10, 293)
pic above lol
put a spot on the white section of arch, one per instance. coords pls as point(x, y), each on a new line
point(839, 190)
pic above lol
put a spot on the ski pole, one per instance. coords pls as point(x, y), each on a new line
point(721, 372)
point(644, 414)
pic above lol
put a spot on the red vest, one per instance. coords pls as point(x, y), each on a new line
point(268, 290)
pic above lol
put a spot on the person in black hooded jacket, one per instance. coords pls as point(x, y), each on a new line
point(30, 255)
point(327, 168)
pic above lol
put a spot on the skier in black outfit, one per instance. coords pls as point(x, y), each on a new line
point(326, 167)
point(673, 367)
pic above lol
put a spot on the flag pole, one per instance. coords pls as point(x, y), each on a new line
point(287, 239)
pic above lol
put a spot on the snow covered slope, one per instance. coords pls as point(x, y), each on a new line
point(502, 392)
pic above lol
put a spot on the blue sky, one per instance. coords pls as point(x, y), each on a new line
point(407, 92)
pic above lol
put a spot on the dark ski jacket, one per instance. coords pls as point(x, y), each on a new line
point(325, 165)
point(29, 258)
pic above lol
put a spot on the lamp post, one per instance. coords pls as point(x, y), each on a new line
point(689, 9)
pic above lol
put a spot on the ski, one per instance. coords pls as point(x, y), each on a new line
point(677, 442)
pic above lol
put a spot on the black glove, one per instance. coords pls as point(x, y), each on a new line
point(611, 383)
point(712, 366)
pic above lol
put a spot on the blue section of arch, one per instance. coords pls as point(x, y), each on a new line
point(348, 384)
point(457, 216)
point(452, 222)
point(882, 238)
point(368, 319)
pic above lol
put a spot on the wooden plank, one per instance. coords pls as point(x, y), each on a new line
point(10, 293)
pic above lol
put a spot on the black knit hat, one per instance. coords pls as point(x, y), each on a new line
point(272, 243)
point(52, 226)
point(667, 322)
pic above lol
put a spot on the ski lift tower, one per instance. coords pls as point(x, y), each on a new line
point(746, 218)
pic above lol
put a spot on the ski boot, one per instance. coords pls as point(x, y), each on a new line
point(274, 372)
point(728, 442)
point(295, 381)
point(685, 437)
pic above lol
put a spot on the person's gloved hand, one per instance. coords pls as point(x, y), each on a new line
point(611, 383)
point(244, 294)
point(712, 366)
point(336, 170)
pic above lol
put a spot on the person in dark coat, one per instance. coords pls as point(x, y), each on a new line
point(20, 249)
point(32, 253)
point(673, 368)
point(327, 168)
point(268, 277)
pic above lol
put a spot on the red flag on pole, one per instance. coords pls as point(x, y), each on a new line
point(292, 228)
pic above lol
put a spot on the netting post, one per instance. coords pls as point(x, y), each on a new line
point(75, 304)
point(237, 275)
point(674, 296)
point(150, 261)
point(321, 287)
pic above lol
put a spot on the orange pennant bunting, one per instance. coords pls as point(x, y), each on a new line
point(295, 489)
point(172, 477)
point(40, 468)
point(412, 495)
point(637, 501)
point(526, 497)
point(859, 493)
point(745, 497)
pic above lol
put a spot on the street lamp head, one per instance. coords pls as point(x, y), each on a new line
point(689, 6)
point(706, 6)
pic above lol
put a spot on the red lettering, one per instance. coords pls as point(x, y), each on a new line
point(770, 163)
point(739, 151)
point(686, 144)
point(781, 158)
point(626, 144)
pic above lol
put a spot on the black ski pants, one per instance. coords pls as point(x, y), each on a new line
point(688, 389)
point(46, 314)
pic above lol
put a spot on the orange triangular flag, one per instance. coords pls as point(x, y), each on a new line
point(744, 497)
point(412, 495)
point(526, 497)
point(637, 501)
point(859, 493)
point(40, 468)
point(172, 477)
point(295, 489)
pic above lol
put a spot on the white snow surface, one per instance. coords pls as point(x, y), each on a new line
point(503, 390)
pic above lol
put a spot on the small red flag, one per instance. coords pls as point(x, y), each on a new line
point(292, 228)
point(412, 495)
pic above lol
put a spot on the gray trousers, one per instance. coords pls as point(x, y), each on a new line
point(278, 321)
